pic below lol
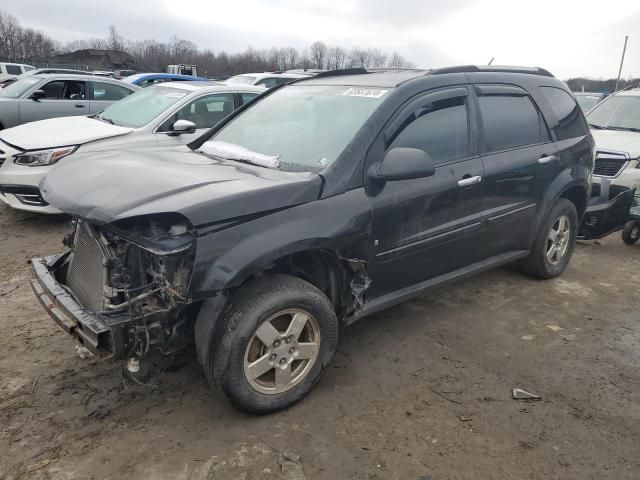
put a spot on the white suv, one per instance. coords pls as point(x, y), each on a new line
point(615, 125)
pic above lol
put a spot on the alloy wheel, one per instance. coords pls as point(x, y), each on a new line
point(282, 351)
point(558, 240)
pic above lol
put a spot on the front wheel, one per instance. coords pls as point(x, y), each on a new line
point(631, 232)
point(279, 335)
point(553, 246)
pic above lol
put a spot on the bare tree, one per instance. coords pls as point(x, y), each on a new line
point(115, 40)
point(318, 53)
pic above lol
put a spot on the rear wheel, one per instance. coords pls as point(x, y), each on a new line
point(279, 335)
point(553, 247)
point(631, 232)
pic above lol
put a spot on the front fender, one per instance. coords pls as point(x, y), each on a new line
point(226, 258)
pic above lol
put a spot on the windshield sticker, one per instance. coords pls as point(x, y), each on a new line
point(365, 92)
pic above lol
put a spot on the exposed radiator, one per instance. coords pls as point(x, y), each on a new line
point(87, 273)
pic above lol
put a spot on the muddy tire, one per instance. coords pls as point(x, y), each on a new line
point(277, 337)
point(553, 247)
point(631, 232)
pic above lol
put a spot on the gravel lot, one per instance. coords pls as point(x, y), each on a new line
point(420, 391)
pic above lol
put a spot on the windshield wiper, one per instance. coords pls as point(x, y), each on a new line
point(107, 120)
point(597, 127)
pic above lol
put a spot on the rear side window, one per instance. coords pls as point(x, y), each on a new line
point(13, 69)
point(567, 111)
point(247, 97)
point(108, 91)
point(439, 128)
point(510, 121)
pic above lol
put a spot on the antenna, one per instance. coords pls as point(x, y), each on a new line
point(491, 61)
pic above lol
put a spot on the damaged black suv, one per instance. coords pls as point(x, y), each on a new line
point(315, 205)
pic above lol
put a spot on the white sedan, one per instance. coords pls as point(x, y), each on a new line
point(168, 114)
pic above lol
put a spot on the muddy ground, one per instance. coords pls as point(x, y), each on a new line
point(421, 391)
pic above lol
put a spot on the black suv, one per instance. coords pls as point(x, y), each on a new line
point(314, 205)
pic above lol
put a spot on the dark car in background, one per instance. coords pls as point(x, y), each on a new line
point(317, 204)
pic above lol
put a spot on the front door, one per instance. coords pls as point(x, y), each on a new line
point(204, 112)
point(63, 98)
point(426, 227)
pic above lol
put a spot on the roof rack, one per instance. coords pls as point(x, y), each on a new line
point(396, 69)
point(629, 87)
point(342, 71)
point(491, 68)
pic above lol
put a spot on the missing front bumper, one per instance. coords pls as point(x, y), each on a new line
point(106, 337)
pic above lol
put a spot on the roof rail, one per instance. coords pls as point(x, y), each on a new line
point(342, 71)
point(396, 69)
point(491, 68)
point(629, 87)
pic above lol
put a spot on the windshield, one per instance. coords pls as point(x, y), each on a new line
point(587, 100)
point(241, 79)
point(140, 108)
point(618, 112)
point(17, 88)
point(305, 127)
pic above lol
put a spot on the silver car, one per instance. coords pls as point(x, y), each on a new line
point(164, 115)
point(37, 97)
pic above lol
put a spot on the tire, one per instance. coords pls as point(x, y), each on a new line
point(631, 232)
point(272, 300)
point(538, 263)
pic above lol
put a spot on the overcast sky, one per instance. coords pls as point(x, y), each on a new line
point(568, 37)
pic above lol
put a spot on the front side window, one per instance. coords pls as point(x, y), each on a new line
point(17, 89)
point(439, 128)
point(306, 126)
point(618, 112)
point(13, 69)
point(510, 121)
point(109, 91)
point(204, 112)
point(568, 113)
point(64, 90)
point(142, 107)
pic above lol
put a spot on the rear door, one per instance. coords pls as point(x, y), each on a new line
point(517, 152)
point(427, 227)
point(63, 98)
point(104, 94)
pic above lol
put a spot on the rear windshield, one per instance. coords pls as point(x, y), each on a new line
point(305, 126)
point(16, 89)
point(618, 112)
point(142, 107)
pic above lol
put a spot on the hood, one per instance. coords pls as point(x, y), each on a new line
point(59, 132)
point(618, 140)
point(109, 186)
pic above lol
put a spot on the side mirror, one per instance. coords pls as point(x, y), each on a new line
point(402, 163)
point(183, 126)
point(38, 94)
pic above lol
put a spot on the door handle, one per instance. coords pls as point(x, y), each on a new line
point(546, 158)
point(468, 181)
point(79, 105)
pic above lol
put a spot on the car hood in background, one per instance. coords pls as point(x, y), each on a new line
point(59, 132)
point(113, 185)
point(618, 141)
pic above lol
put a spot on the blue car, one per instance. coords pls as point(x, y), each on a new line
point(148, 79)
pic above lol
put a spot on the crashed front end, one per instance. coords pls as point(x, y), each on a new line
point(121, 288)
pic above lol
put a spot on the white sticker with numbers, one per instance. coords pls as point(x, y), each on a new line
point(365, 92)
